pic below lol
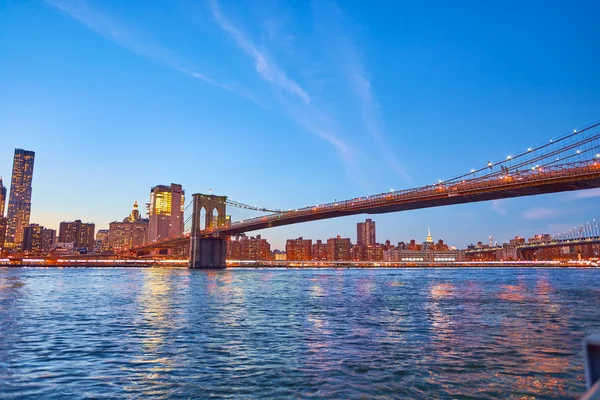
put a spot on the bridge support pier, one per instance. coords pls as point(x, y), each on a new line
point(207, 252)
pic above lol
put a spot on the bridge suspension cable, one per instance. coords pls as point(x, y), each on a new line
point(581, 145)
point(249, 207)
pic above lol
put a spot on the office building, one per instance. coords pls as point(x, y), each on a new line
point(298, 249)
point(32, 238)
point(48, 239)
point(81, 234)
point(166, 212)
point(19, 203)
point(365, 233)
point(131, 232)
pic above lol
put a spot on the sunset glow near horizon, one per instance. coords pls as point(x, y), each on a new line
point(289, 104)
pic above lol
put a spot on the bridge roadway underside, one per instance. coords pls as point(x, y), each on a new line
point(443, 199)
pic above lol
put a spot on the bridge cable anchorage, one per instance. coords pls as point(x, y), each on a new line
point(249, 207)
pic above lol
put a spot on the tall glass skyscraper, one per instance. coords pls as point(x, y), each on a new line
point(19, 203)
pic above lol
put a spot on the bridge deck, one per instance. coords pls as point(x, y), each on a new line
point(576, 176)
point(550, 179)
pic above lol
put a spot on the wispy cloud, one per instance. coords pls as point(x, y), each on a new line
point(541, 213)
point(350, 62)
point(303, 112)
point(139, 42)
point(265, 67)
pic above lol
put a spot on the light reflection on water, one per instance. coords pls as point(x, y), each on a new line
point(418, 333)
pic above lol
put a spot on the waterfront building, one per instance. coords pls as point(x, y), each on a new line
point(319, 251)
point(428, 255)
point(101, 235)
point(299, 249)
point(32, 238)
point(48, 239)
point(2, 234)
point(375, 253)
point(81, 234)
point(391, 255)
point(280, 256)
point(63, 249)
point(365, 233)
point(338, 249)
point(166, 212)
point(19, 203)
point(248, 248)
point(2, 219)
point(101, 242)
point(2, 198)
point(131, 232)
point(254, 248)
point(233, 249)
point(357, 252)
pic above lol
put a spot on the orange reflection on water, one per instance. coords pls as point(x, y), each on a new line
point(513, 293)
point(441, 290)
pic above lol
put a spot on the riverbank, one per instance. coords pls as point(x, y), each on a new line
point(298, 265)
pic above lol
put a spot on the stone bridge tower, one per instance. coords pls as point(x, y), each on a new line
point(208, 251)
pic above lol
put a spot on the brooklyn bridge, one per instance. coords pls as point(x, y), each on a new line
point(571, 162)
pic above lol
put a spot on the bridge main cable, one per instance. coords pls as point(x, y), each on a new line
point(249, 207)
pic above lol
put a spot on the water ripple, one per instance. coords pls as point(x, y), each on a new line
point(419, 333)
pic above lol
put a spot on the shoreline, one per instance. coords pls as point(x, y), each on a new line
point(314, 267)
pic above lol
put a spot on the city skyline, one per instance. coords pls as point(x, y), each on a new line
point(308, 125)
point(165, 201)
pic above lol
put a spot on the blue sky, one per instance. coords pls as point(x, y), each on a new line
point(285, 104)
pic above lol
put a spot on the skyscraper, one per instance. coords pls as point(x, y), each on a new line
point(19, 203)
point(2, 219)
point(365, 233)
point(2, 198)
point(429, 237)
point(166, 212)
point(32, 238)
point(81, 234)
point(48, 239)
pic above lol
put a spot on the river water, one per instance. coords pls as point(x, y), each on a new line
point(365, 333)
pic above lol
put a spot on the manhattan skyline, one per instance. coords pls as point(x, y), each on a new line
point(284, 106)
